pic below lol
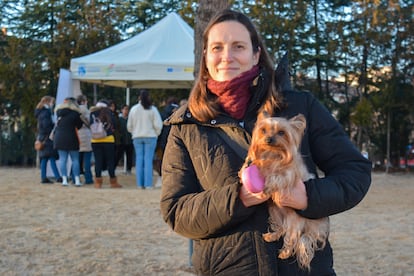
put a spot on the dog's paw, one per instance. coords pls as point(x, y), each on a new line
point(285, 253)
point(271, 236)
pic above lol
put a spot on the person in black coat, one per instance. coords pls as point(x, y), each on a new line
point(202, 196)
point(66, 139)
point(43, 114)
point(169, 109)
point(125, 145)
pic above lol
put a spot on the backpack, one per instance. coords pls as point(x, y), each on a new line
point(97, 128)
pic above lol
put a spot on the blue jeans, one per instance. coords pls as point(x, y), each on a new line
point(86, 163)
point(63, 159)
point(144, 155)
point(43, 167)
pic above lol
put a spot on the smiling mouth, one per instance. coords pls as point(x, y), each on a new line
point(227, 69)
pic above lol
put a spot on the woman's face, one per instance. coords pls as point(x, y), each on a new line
point(229, 51)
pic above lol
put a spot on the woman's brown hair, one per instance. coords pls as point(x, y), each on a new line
point(200, 102)
point(44, 100)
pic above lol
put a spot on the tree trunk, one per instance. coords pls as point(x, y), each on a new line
point(206, 10)
point(388, 164)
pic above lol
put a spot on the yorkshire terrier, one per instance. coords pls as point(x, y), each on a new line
point(275, 151)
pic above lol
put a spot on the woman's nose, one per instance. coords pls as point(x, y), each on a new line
point(227, 54)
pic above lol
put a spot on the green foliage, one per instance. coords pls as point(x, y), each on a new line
point(362, 115)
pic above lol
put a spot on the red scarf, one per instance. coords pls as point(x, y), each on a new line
point(234, 95)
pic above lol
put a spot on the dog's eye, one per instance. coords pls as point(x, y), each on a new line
point(263, 130)
point(281, 133)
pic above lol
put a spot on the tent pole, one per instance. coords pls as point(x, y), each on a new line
point(127, 103)
point(95, 94)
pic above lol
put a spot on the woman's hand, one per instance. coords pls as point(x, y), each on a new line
point(251, 192)
point(296, 199)
point(250, 199)
point(253, 184)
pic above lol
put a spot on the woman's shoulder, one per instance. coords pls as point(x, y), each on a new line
point(154, 108)
point(41, 111)
point(298, 97)
point(293, 94)
point(295, 102)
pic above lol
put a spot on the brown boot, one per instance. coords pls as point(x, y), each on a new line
point(114, 183)
point(98, 182)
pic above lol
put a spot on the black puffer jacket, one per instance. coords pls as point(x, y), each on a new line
point(44, 127)
point(201, 185)
point(68, 122)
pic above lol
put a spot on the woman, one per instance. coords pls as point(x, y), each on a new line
point(43, 114)
point(104, 147)
point(202, 196)
point(144, 124)
point(66, 139)
point(85, 143)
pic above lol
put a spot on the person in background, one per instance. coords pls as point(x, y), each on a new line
point(104, 148)
point(117, 130)
point(145, 124)
point(125, 140)
point(66, 139)
point(171, 106)
point(202, 196)
point(43, 114)
point(85, 141)
point(183, 102)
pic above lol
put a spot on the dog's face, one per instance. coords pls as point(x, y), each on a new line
point(276, 138)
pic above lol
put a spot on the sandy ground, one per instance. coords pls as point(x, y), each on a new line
point(51, 230)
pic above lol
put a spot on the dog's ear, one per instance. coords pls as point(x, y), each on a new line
point(299, 123)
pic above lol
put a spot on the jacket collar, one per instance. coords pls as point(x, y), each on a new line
point(68, 105)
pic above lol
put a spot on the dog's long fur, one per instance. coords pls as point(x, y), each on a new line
point(275, 151)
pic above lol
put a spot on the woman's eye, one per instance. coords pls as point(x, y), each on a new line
point(215, 48)
point(239, 47)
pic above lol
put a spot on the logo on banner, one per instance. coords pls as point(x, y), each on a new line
point(108, 70)
point(81, 70)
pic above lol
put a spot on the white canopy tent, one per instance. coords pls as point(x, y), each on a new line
point(159, 57)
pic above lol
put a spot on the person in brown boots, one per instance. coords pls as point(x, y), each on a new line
point(103, 143)
point(114, 182)
point(98, 182)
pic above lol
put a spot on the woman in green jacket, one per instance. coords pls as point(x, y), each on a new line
point(202, 196)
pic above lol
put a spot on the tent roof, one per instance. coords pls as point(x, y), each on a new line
point(159, 57)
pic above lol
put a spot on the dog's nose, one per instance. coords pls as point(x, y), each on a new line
point(270, 140)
